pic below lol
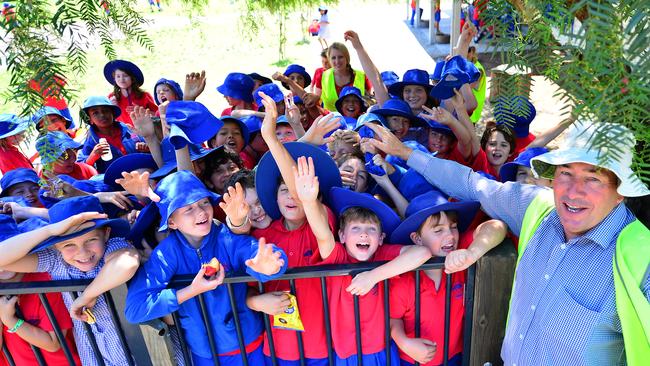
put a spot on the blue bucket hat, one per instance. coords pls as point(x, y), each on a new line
point(46, 111)
point(262, 79)
point(271, 90)
point(389, 78)
point(127, 163)
point(516, 112)
point(177, 190)
point(126, 66)
point(147, 217)
point(53, 144)
point(253, 123)
point(398, 107)
point(341, 199)
point(508, 171)
point(172, 84)
point(267, 175)
point(437, 71)
point(190, 122)
point(397, 161)
point(76, 205)
point(350, 90)
point(238, 86)
point(369, 117)
point(9, 228)
point(245, 133)
point(297, 69)
point(439, 127)
point(411, 77)
point(455, 72)
point(16, 176)
point(11, 125)
point(101, 100)
point(169, 157)
point(427, 204)
point(413, 184)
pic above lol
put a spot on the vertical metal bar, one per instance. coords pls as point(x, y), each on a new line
point(91, 337)
point(269, 333)
point(387, 322)
point(328, 324)
point(57, 329)
point(469, 314)
point(418, 310)
point(445, 348)
point(208, 328)
point(120, 332)
point(181, 338)
point(37, 351)
point(357, 329)
point(235, 317)
point(301, 346)
point(7, 354)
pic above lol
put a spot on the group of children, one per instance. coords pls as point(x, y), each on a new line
point(159, 187)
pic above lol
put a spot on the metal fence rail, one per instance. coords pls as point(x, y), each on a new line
point(142, 358)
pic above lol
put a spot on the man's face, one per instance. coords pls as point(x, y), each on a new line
point(584, 196)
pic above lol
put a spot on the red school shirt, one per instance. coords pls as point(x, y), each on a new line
point(520, 145)
point(301, 248)
point(482, 164)
point(371, 306)
point(34, 314)
point(11, 158)
point(146, 101)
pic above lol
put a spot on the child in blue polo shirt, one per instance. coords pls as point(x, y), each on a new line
point(186, 209)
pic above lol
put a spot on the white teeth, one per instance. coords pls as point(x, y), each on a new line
point(571, 208)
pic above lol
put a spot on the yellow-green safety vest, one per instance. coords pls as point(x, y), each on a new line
point(329, 96)
point(479, 94)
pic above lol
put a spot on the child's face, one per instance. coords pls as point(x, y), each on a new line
point(337, 59)
point(84, 251)
point(233, 102)
point(415, 96)
point(258, 144)
point(165, 93)
point(193, 220)
point(122, 79)
point(341, 147)
point(440, 237)
point(285, 133)
point(220, 176)
point(258, 217)
point(230, 135)
point(359, 172)
point(54, 123)
point(101, 116)
point(65, 163)
point(325, 62)
point(27, 190)
point(361, 239)
point(439, 142)
point(351, 106)
point(525, 176)
point(399, 125)
point(497, 149)
point(289, 207)
point(298, 78)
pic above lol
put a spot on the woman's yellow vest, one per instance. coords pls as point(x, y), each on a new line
point(328, 94)
point(631, 267)
point(479, 94)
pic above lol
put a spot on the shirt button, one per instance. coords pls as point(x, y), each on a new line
point(532, 307)
point(563, 246)
point(546, 276)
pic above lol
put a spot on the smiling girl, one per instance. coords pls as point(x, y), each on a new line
point(127, 78)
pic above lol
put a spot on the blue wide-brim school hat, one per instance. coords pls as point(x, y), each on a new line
point(395, 160)
point(245, 133)
point(389, 78)
point(411, 77)
point(169, 157)
point(190, 122)
point(427, 204)
point(398, 107)
point(127, 163)
point(11, 125)
point(516, 112)
point(282, 120)
point(253, 123)
point(260, 78)
point(413, 184)
point(437, 71)
point(439, 127)
point(271, 90)
point(340, 199)
point(177, 190)
point(46, 111)
point(355, 92)
point(455, 72)
point(76, 205)
point(297, 69)
point(53, 144)
point(100, 100)
point(267, 175)
point(369, 117)
point(238, 86)
point(508, 171)
point(172, 84)
point(16, 176)
point(126, 66)
point(9, 228)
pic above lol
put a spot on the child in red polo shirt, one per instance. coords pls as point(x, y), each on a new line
point(127, 79)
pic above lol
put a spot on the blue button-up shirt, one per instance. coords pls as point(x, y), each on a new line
point(563, 309)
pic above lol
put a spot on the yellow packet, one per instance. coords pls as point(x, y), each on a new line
point(290, 319)
point(91, 316)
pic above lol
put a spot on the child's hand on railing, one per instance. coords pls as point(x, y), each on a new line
point(459, 260)
point(271, 303)
point(79, 305)
point(362, 283)
point(234, 205)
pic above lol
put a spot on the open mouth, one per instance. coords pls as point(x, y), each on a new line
point(163, 99)
point(448, 247)
point(363, 246)
point(573, 209)
point(202, 222)
point(259, 218)
point(497, 155)
point(86, 261)
point(231, 144)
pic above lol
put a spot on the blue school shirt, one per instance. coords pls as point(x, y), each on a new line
point(149, 296)
point(108, 340)
point(128, 140)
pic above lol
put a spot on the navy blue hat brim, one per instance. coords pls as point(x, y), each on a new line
point(508, 172)
point(397, 88)
point(268, 174)
point(445, 89)
point(119, 228)
point(234, 93)
point(17, 128)
point(340, 199)
point(124, 65)
point(128, 163)
point(466, 210)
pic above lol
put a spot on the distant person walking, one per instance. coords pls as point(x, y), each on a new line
point(324, 29)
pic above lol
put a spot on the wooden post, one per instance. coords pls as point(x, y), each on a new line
point(493, 283)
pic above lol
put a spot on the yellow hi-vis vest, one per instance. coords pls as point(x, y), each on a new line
point(328, 94)
point(631, 266)
point(479, 94)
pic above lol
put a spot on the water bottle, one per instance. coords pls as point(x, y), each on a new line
point(107, 156)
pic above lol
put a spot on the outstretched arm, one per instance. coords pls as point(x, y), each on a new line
point(486, 236)
point(381, 92)
point(443, 116)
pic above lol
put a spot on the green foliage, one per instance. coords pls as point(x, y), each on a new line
point(601, 64)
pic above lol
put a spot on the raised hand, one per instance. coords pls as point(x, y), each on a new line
point(458, 101)
point(306, 180)
point(322, 126)
point(291, 111)
point(137, 184)
point(279, 77)
point(437, 114)
point(388, 142)
point(194, 85)
point(75, 223)
point(353, 37)
point(310, 100)
point(459, 260)
point(266, 261)
point(271, 117)
point(142, 121)
point(119, 199)
point(234, 205)
point(380, 161)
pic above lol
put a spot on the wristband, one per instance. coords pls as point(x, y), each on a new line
point(230, 224)
point(16, 326)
